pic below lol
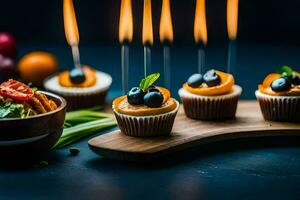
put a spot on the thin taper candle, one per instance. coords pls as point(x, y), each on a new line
point(125, 67)
point(71, 30)
point(147, 36)
point(125, 38)
point(76, 56)
point(232, 28)
point(147, 60)
point(231, 62)
point(167, 70)
point(200, 33)
point(166, 37)
point(201, 60)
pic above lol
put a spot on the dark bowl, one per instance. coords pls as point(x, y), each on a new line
point(33, 136)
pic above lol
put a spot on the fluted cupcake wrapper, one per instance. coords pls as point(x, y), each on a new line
point(279, 108)
point(81, 97)
point(77, 101)
point(214, 108)
point(146, 126)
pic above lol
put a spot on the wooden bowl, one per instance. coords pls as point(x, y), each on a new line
point(32, 136)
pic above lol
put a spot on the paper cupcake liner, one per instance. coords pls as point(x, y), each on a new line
point(214, 108)
point(77, 101)
point(146, 126)
point(279, 108)
point(81, 97)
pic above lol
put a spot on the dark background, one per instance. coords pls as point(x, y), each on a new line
point(268, 37)
point(268, 21)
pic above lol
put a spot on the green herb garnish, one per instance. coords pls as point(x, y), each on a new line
point(12, 110)
point(148, 81)
point(286, 71)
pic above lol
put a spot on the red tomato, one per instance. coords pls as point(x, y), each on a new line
point(16, 90)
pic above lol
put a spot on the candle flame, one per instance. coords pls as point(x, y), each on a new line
point(126, 22)
point(166, 27)
point(232, 18)
point(200, 29)
point(147, 24)
point(70, 23)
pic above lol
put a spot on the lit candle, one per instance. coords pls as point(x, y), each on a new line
point(232, 26)
point(72, 36)
point(200, 33)
point(125, 38)
point(147, 36)
point(166, 37)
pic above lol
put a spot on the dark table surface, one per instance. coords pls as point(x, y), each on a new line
point(267, 168)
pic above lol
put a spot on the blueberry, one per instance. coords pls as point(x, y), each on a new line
point(135, 96)
point(153, 99)
point(295, 79)
point(195, 80)
point(211, 78)
point(77, 76)
point(281, 84)
point(152, 88)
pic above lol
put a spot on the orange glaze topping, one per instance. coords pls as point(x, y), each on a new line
point(90, 75)
point(226, 86)
point(122, 106)
point(265, 87)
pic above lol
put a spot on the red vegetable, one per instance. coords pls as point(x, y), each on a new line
point(16, 90)
point(8, 46)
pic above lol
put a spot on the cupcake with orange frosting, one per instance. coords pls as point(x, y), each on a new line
point(146, 110)
point(212, 96)
point(81, 88)
point(279, 96)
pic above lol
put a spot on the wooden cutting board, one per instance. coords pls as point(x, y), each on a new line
point(188, 133)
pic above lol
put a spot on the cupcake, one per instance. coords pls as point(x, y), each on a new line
point(212, 96)
point(146, 110)
point(279, 96)
point(79, 90)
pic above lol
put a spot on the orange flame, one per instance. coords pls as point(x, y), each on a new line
point(147, 23)
point(70, 23)
point(126, 22)
point(200, 29)
point(232, 18)
point(166, 27)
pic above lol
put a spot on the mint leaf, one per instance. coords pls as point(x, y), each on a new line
point(148, 81)
point(142, 83)
point(286, 71)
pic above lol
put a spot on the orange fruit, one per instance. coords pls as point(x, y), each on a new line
point(269, 79)
point(165, 92)
point(36, 66)
point(90, 78)
point(227, 82)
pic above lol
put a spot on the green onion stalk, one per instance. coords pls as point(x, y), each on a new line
point(83, 123)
